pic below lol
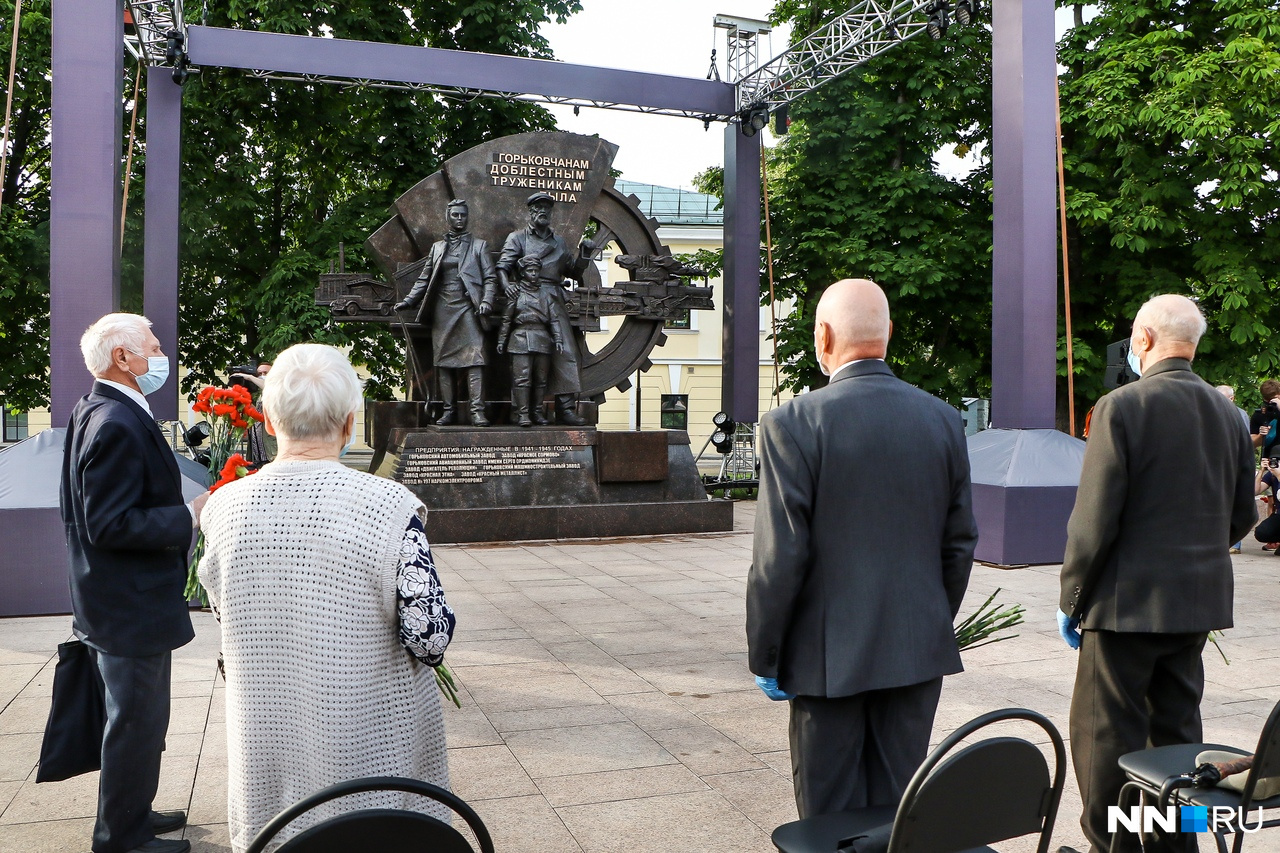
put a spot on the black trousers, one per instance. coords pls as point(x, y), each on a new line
point(1133, 691)
point(859, 750)
point(137, 703)
point(1268, 530)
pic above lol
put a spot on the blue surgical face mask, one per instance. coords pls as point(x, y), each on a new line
point(157, 373)
point(817, 354)
point(1134, 363)
point(351, 439)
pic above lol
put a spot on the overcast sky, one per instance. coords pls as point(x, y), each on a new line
point(659, 36)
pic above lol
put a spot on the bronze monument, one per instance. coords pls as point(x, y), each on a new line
point(556, 264)
point(514, 326)
point(457, 289)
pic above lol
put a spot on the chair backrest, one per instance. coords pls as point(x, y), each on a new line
point(377, 829)
point(1266, 758)
point(996, 789)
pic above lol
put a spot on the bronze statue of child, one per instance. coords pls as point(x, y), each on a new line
point(529, 334)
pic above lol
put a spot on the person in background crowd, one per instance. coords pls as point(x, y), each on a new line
point(1230, 393)
point(846, 617)
point(1145, 576)
point(1268, 530)
point(1263, 423)
point(1266, 433)
point(128, 532)
point(262, 445)
point(332, 612)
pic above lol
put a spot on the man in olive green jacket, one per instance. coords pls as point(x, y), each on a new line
point(1167, 486)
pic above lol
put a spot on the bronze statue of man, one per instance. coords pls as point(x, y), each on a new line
point(558, 264)
point(457, 287)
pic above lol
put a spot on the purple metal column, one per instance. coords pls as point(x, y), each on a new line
point(84, 203)
point(1024, 472)
point(160, 247)
point(740, 378)
point(1025, 265)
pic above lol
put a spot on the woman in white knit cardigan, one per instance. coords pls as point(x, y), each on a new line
point(332, 614)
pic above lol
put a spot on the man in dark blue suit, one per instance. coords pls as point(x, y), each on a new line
point(128, 533)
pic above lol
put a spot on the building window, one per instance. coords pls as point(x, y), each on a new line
point(683, 320)
point(15, 425)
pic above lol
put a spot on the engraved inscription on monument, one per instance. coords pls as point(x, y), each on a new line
point(422, 466)
point(562, 177)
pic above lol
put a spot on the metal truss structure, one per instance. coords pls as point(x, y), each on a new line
point(742, 44)
point(453, 93)
point(868, 29)
point(153, 20)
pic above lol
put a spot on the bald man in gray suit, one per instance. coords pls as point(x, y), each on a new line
point(849, 607)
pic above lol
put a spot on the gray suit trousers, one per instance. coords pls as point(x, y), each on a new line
point(137, 703)
point(859, 750)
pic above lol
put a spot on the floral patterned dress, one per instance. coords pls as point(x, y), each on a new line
point(426, 619)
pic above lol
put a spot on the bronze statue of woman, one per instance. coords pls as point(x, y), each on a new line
point(456, 288)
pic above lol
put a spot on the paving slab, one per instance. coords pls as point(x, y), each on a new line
point(606, 701)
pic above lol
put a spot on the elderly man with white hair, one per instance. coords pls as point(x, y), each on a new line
point(1167, 485)
point(332, 612)
point(847, 617)
point(128, 533)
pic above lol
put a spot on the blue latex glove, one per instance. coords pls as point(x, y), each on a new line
point(772, 690)
point(1069, 628)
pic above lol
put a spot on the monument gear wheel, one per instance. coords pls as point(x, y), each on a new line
point(495, 180)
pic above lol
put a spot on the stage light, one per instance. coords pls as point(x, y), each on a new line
point(196, 434)
point(781, 120)
point(966, 12)
point(752, 120)
point(722, 438)
point(938, 21)
point(173, 46)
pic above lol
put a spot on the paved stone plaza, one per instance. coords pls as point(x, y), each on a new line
point(607, 704)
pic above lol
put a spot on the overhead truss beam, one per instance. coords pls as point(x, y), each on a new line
point(458, 93)
point(456, 73)
point(868, 29)
point(153, 20)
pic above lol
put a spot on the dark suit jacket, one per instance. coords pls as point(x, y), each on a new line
point(476, 271)
point(864, 537)
point(1167, 486)
point(128, 529)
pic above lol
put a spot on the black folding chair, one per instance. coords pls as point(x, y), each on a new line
point(1165, 775)
point(990, 791)
point(377, 829)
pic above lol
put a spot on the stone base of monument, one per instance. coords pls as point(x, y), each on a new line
point(504, 483)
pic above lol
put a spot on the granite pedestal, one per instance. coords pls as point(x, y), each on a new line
point(506, 483)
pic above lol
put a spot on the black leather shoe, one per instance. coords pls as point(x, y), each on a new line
point(163, 845)
point(162, 822)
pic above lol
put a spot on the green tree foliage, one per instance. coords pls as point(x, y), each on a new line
point(856, 194)
point(24, 217)
point(276, 174)
point(1170, 112)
